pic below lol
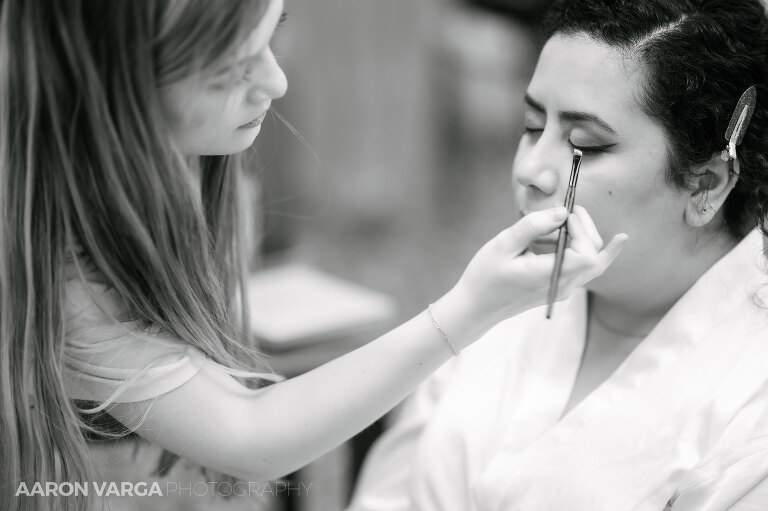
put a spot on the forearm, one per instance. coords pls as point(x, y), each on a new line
point(269, 432)
point(322, 408)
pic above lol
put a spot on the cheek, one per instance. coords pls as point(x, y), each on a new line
point(205, 116)
point(615, 200)
point(602, 202)
point(201, 113)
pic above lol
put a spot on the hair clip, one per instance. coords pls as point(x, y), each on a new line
point(742, 114)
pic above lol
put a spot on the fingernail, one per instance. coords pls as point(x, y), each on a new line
point(559, 213)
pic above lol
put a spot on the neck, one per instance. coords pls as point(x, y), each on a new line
point(623, 321)
point(193, 165)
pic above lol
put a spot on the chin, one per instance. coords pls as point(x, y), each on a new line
point(238, 145)
point(245, 139)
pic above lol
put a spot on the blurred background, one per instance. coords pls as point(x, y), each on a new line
point(405, 117)
point(392, 166)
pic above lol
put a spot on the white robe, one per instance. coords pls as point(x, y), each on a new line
point(682, 424)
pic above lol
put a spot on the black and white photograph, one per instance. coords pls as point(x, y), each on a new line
point(401, 255)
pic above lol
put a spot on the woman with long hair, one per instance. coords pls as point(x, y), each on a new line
point(122, 251)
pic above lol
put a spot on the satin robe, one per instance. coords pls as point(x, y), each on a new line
point(682, 424)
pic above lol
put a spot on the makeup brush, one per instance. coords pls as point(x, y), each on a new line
point(562, 235)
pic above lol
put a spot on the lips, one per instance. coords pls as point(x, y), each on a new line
point(256, 122)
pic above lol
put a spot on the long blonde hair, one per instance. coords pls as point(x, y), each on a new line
point(86, 161)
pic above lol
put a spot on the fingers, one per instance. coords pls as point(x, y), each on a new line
point(532, 226)
point(586, 257)
point(581, 264)
point(588, 265)
point(613, 249)
point(586, 239)
point(588, 225)
point(580, 240)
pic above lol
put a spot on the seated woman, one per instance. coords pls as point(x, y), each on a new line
point(648, 390)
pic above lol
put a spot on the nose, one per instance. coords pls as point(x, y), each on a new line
point(537, 168)
point(272, 82)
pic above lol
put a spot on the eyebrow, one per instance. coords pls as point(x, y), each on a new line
point(573, 115)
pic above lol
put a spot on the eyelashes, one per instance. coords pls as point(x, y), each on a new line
point(591, 149)
point(585, 149)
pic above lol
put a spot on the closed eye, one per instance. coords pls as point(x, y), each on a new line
point(591, 149)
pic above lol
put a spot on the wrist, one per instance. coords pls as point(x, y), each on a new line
point(460, 319)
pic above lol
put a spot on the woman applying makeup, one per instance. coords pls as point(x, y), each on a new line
point(648, 390)
point(122, 251)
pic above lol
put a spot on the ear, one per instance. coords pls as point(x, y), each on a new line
point(711, 183)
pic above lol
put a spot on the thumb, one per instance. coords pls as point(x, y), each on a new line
point(611, 251)
point(532, 226)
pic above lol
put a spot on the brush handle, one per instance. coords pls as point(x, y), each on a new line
point(570, 199)
point(562, 235)
point(562, 238)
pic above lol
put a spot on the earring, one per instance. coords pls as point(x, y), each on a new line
point(706, 202)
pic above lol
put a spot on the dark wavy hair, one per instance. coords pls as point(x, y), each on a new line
point(700, 56)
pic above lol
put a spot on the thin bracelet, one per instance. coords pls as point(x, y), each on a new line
point(442, 332)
